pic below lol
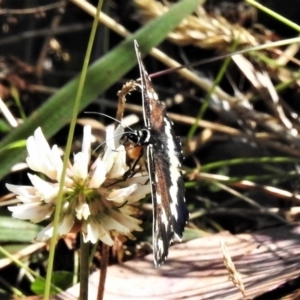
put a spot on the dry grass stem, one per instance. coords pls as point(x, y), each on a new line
point(7, 114)
point(22, 254)
point(234, 275)
point(36, 10)
point(246, 184)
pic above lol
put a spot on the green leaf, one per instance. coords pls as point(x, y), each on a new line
point(14, 230)
point(14, 145)
point(4, 127)
point(56, 112)
point(61, 280)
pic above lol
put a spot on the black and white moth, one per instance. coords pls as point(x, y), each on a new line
point(164, 158)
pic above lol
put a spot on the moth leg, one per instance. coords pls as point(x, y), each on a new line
point(132, 171)
point(123, 204)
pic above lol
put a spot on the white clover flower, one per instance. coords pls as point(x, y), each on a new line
point(95, 199)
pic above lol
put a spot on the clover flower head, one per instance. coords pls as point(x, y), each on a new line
point(96, 200)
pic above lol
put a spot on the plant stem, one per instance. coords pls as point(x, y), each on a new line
point(84, 269)
point(103, 271)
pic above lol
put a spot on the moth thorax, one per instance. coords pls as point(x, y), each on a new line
point(139, 137)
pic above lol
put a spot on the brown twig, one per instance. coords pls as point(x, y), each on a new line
point(103, 271)
point(37, 33)
point(34, 10)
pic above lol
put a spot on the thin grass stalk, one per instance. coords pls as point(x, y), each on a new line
point(274, 15)
point(68, 150)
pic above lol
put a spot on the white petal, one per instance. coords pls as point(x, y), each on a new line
point(38, 165)
point(35, 212)
point(29, 199)
point(66, 225)
point(113, 152)
point(55, 158)
point(129, 210)
point(81, 159)
point(140, 193)
point(143, 188)
point(113, 137)
point(68, 181)
point(45, 234)
point(82, 211)
point(41, 158)
point(109, 223)
point(140, 179)
point(119, 167)
point(127, 221)
point(121, 195)
point(80, 166)
point(104, 236)
point(108, 159)
point(41, 140)
point(47, 191)
point(99, 174)
point(91, 234)
point(95, 232)
point(22, 190)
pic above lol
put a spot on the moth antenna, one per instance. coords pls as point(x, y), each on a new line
point(107, 116)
